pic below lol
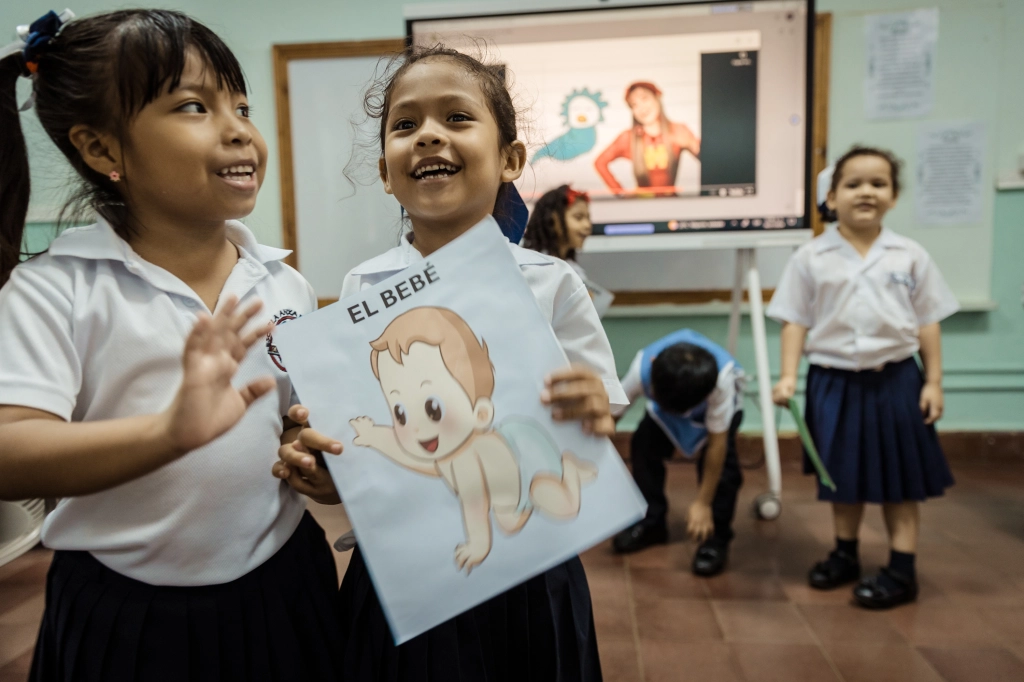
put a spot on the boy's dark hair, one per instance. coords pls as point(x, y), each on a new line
point(491, 78)
point(895, 164)
point(545, 232)
point(682, 377)
point(98, 71)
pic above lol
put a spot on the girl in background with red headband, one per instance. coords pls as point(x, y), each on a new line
point(654, 144)
point(559, 225)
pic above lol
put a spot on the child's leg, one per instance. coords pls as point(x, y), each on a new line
point(649, 449)
point(842, 565)
point(896, 583)
point(847, 518)
point(902, 520)
point(723, 505)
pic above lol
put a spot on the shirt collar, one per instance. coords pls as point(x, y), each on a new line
point(405, 254)
point(830, 239)
point(99, 241)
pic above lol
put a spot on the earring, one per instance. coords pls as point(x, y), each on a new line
point(115, 176)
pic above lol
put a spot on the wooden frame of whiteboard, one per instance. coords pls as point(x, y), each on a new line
point(285, 53)
point(282, 55)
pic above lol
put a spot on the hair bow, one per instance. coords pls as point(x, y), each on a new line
point(32, 41)
point(572, 196)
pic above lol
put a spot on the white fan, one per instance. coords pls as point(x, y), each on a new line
point(20, 526)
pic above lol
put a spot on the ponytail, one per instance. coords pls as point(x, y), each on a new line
point(14, 178)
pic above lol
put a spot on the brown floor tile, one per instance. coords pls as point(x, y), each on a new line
point(692, 662)
point(18, 669)
point(876, 662)
point(741, 585)
point(602, 555)
point(762, 622)
point(936, 625)
point(844, 623)
point(15, 640)
point(28, 613)
point(36, 556)
point(673, 556)
point(1009, 622)
point(783, 663)
point(653, 584)
point(677, 620)
point(619, 660)
point(974, 665)
point(612, 620)
point(12, 596)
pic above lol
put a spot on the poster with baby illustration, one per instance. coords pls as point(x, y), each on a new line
point(458, 483)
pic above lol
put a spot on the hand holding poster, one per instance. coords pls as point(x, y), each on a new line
point(432, 380)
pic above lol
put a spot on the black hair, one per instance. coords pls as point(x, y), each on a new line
point(682, 377)
point(546, 230)
point(98, 71)
point(895, 165)
point(492, 79)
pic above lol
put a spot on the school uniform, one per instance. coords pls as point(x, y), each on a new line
point(661, 431)
point(864, 385)
point(177, 574)
point(541, 630)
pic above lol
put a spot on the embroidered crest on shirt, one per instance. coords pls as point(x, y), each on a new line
point(286, 315)
point(904, 278)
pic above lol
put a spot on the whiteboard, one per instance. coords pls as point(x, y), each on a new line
point(342, 214)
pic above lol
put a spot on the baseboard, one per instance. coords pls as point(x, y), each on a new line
point(976, 446)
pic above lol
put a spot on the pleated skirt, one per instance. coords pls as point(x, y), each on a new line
point(871, 435)
point(278, 622)
point(541, 631)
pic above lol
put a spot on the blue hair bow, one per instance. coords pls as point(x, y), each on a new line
point(39, 33)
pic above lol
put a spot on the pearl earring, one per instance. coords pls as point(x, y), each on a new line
point(115, 176)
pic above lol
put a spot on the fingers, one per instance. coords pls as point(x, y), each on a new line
point(592, 406)
point(603, 426)
point(314, 440)
point(255, 335)
point(298, 414)
point(294, 456)
point(256, 389)
point(571, 373)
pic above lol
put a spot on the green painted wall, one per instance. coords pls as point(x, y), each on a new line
point(984, 352)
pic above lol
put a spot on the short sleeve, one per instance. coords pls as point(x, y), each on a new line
point(932, 298)
point(39, 366)
point(722, 402)
point(793, 296)
point(579, 332)
point(632, 383)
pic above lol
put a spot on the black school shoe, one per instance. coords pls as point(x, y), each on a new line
point(640, 536)
point(710, 558)
point(839, 569)
point(887, 589)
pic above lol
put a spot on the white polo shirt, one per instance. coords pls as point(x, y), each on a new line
point(724, 401)
point(861, 312)
point(91, 331)
point(561, 294)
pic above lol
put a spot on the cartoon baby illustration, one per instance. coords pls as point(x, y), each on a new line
point(438, 380)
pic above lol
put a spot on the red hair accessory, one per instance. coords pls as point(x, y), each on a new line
point(572, 196)
point(646, 85)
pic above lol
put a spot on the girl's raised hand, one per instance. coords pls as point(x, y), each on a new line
point(783, 391)
point(301, 464)
point(207, 405)
point(577, 393)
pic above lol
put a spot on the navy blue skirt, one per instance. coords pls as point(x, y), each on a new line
point(871, 436)
point(541, 630)
point(276, 623)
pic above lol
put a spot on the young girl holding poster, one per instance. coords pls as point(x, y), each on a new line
point(861, 300)
point(127, 386)
point(449, 153)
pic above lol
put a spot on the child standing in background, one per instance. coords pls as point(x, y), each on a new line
point(127, 382)
point(449, 154)
point(559, 225)
point(861, 301)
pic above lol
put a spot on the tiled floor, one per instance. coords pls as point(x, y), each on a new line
point(759, 622)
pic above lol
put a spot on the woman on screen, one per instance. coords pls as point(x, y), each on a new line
point(654, 144)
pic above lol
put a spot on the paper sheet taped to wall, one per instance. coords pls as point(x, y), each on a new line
point(899, 77)
point(950, 168)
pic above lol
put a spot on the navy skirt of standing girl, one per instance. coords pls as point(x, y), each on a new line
point(177, 555)
point(871, 436)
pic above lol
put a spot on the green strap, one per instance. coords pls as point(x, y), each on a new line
point(812, 452)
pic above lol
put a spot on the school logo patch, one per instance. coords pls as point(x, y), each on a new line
point(286, 315)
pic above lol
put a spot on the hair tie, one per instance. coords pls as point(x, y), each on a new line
point(32, 41)
point(572, 196)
